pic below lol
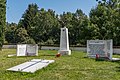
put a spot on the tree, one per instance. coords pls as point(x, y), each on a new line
point(10, 34)
point(46, 28)
point(81, 28)
point(28, 20)
point(15, 34)
point(22, 36)
point(106, 20)
point(54, 33)
point(65, 20)
point(77, 23)
point(2, 21)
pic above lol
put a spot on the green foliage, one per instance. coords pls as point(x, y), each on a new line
point(27, 23)
point(43, 26)
point(14, 34)
point(2, 21)
point(80, 28)
point(47, 26)
point(10, 33)
point(78, 25)
point(23, 37)
point(106, 20)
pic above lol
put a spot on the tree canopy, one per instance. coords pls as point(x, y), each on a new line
point(2, 21)
point(41, 26)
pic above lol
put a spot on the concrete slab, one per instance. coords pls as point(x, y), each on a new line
point(31, 66)
point(115, 59)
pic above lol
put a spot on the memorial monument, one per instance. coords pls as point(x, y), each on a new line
point(101, 48)
point(64, 42)
point(27, 50)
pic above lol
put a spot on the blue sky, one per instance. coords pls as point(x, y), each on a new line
point(15, 8)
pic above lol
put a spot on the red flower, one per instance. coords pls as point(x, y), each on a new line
point(58, 55)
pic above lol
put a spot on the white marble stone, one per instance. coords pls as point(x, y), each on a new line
point(32, 50)
point(21, 49)
point(27, 50)
point(64, 42)
point(31, 66)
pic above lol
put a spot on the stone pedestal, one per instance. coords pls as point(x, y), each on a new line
point(64, 42)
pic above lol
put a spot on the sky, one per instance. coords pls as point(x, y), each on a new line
point(15, 8)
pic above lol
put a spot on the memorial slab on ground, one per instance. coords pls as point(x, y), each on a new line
point(31, 66)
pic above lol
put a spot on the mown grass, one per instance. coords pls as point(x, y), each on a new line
point(74, 67)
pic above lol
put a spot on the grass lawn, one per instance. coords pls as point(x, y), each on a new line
point(74, 67)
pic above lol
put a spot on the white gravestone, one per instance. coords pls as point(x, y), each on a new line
point(21, 49)
point(31, 66)
point(27, 50)
point(101, 47)
point(64, 42)
point(32, 50)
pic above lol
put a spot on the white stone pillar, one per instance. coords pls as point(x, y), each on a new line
point(64, 42)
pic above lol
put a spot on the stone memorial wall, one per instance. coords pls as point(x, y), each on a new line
point(101, 47)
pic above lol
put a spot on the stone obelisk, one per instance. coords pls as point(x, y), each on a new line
point(64, 42)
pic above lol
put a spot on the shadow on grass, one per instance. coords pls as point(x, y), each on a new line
point(101, 59)
point(95, 59)
point(117, 67)
point(48, 55)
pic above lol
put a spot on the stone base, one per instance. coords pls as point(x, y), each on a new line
point(64, 52)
